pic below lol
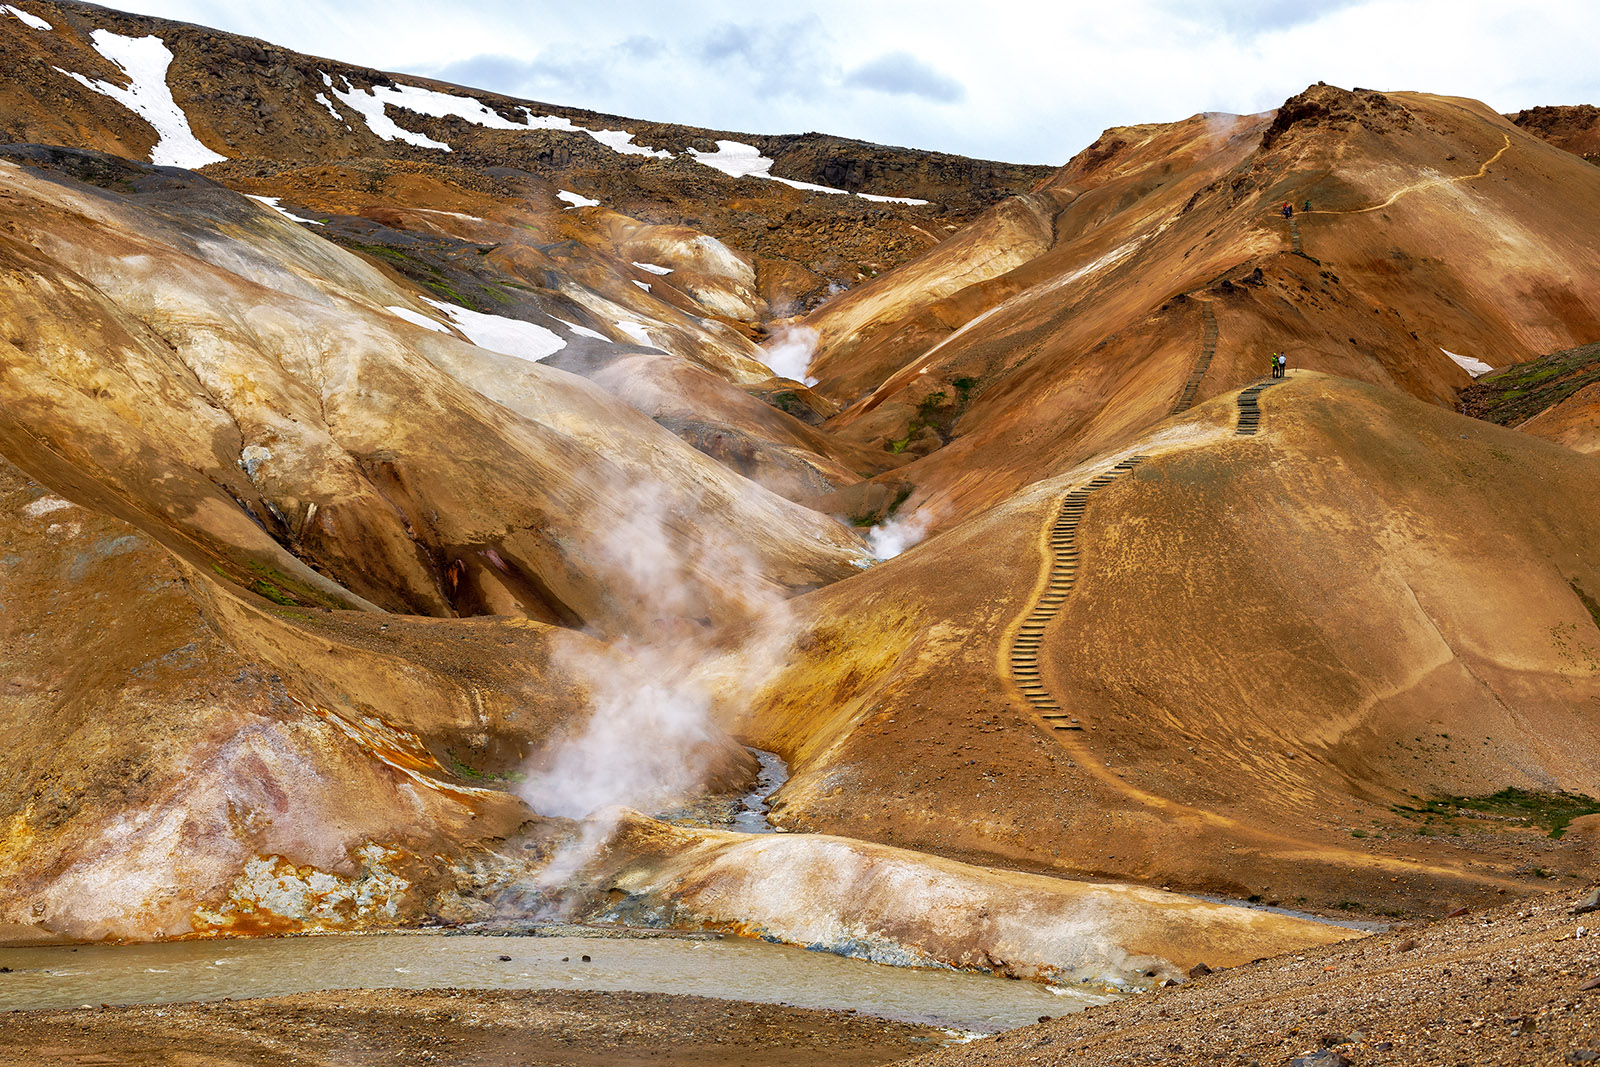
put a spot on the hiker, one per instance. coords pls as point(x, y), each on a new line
point(1288, 209)
point(1273, 363)
point(1306, 206)
point(1283, 365)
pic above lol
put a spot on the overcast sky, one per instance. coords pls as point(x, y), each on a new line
point(1022, 82)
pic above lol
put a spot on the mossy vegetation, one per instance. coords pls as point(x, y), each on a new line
point(468, 773)
point(1550, 812)
point(1517, 393)
point(930, 412)
point(874, 516)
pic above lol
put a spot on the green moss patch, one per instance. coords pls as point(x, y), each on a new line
point(1550, 812)
point(1517, 393)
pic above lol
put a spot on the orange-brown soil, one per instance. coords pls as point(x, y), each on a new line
point(470, 1029)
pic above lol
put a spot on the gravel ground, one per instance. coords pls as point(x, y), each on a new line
point(369, 1028)
point(1499, 986)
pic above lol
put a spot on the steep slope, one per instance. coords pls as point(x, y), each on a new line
point(156, 752)
point(281, 435)
point(1436, 227)
point(1270, 640)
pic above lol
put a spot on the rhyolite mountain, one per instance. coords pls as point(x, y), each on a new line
point(393, 470)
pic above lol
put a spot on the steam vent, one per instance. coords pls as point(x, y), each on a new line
point(577, 564)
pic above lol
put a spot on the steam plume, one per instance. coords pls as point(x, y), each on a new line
point(891, 538)
point(651, 739)
point(789, 353)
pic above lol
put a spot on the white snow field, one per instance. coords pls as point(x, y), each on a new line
point(731, 157)
point(584, 331)
point(272, 202)
point(653, 268)
point(1475, 367)
point(145, 61)
point(28, 19)
point(576, 199)
point(637, 332)
point(417, 318)
point(741, 160)
point(509, 337)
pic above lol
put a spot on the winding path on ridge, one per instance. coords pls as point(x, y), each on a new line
point(1019, 661)
point(1405, 190)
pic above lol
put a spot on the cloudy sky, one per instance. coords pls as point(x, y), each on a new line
point(1019, 81)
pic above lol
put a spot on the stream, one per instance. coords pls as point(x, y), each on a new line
point(61, 976)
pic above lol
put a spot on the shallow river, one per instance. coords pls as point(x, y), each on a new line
point(736, 968)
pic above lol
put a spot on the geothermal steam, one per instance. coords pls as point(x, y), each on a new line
point(891, 538)
point(650, 740)
point(789, 353)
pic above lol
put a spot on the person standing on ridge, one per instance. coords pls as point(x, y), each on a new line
point(1273, 364)
point(1306, 206)
point(1288, 209)
point(1283, 365)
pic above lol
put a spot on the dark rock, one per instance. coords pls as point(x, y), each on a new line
point(1407, 945)
point(1457, 913)
point(585, 959)
point(505, 959)
point(1199, 970)
point(1383, 1046)
point(1046, 1018)
point(1583, 1055)
point(1593, 983)
point(1330, 1040)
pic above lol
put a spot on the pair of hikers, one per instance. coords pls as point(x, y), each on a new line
point(1280, 365)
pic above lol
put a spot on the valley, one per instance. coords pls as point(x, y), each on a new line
point(420, 508)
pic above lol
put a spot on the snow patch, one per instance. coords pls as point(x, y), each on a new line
point(576, 200)
point(643, 285)
point(652, 268)
point(272, 202)
point(417, 318)
point(621, 142)
point(637, 332)
point(370, 107)
point(740, 160)
point(325, 102)
point(509, 337)
point(27, 19)
point(1475, 367)
point(584, 331)
point(145, 61)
